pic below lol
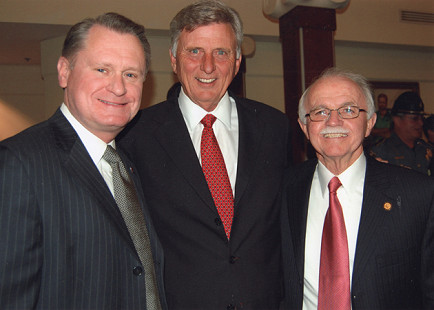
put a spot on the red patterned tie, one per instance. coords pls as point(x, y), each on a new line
point(334, 274)
point(216, 175)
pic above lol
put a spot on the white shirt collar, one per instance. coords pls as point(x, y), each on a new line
point(94, 145)
point(349, 178)
point(193, 113)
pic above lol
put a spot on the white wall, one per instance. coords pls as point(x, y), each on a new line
point(384, 63)
point(363, 20)
point(21, 98)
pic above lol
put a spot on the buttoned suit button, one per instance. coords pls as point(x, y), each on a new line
point(218, 221)
point(230, 307)
point(233, 259)
point(137, 271)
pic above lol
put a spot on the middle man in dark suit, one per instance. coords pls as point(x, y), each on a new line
point(222, 248)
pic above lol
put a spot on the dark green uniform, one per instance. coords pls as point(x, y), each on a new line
point(395, 151)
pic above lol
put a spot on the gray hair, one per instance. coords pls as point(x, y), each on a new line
point(358, 79)
point(76, 38)
point(203, 13)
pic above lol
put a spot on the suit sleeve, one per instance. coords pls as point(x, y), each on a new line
point(428, 258)
point(21, 235)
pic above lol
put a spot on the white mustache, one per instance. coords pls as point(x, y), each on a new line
point(334, 130)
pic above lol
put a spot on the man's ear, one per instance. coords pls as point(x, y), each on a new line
point(172, 61)
point(237, 64)
point(371, 123)
point(63, 70)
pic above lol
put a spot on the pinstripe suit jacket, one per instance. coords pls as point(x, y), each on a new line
point(64, 244)
point(394, 260)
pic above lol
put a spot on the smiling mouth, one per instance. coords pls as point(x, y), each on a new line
point(335, 135)
point(111, 103)
point(206, 81)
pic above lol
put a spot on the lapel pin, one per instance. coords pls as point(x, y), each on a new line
point(387, 206)
point(132, 170)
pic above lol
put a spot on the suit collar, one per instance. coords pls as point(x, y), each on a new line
point(376, 196)
point(173, 135)
point(251, 131)
point(94, 145)
point(193, 113)
point(78, 164)
point(298, 189)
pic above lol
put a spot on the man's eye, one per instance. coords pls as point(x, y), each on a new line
point(348, 110)
point(221, 53)
point(194, 51)
point(101, 70)
point(130, 75)
point(320, 112)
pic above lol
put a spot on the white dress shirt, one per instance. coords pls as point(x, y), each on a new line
point(225, 129)
point(350, 196)
point(94, 146)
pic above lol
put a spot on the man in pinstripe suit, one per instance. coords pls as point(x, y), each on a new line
point(64, 243)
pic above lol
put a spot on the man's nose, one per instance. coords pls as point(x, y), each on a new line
point(117, 85)
point(208, 63)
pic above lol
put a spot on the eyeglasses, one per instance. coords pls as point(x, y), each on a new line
point(345, 112)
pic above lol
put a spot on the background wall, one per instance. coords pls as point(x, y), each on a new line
point(370, 39)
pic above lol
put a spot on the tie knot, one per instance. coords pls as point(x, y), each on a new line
point(110, 155)
point(334, 184)
point(208, 120)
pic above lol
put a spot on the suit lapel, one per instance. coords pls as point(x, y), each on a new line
point(375, 195)
point(298, 208)
point(250, 137)
point(78, 163)
point(172, 134)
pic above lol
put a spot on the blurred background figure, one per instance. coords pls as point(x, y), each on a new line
point(405, 146)
point(428, 128)
point(384, 120)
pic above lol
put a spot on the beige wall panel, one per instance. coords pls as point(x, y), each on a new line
point(363, 20)
point(378, 21)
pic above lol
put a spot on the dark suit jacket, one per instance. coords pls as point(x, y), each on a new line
point(394, 260)
point(202, 269)
point(64, 244)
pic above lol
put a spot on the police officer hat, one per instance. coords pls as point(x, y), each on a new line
point(408, 103)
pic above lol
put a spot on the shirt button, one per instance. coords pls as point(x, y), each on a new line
point(233, 259)
point(137, 271)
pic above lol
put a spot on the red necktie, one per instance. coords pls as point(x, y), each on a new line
point(216, 175)
point(334, 274)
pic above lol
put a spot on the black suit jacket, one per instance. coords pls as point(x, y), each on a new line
point(64, 243)
point(394, 260)
point(202, 269)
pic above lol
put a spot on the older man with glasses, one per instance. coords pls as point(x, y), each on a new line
point(357, 233)
point(405, 146)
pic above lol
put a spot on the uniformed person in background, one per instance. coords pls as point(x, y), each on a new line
point(428, 129)
point(405, 146)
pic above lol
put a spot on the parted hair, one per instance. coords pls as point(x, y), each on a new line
point(203, 13)
point(76, 37)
